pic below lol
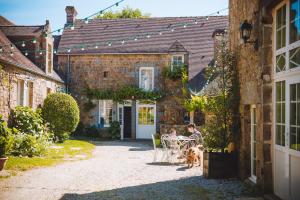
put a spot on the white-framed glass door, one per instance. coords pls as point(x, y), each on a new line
point(286, 103)
point(146, 120)
point(253, 143)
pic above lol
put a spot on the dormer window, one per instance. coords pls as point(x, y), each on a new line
point(177, 61)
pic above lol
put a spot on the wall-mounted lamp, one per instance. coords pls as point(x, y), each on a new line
point(245, 31)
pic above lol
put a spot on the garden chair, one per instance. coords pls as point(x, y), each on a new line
point(155, 148)
point(171, 148)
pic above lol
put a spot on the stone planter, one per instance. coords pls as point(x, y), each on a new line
point(219, 165)
point(2, 163)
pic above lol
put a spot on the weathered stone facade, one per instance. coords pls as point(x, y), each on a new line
point(9, 75)
point(255, 71)
point(82, 71)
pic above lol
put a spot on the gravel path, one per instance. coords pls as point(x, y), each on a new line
point(118, 170)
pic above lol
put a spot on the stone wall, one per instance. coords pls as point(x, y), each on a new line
point(255, 75)
point(82, 71)
point(9, 75)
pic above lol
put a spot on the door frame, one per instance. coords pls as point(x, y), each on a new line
point(138, 104)
point(120, 116)
point(253, 177)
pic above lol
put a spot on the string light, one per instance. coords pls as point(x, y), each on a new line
point(72, 27)
point(12, 47)
point(23, 44)
point(26, 53)
point(41, 52)
point(86, 20)
point(1, 50)
point(11, 53)
point(82, 48)
point(54, 51)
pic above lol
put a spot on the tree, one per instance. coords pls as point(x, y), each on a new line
point(127, 12)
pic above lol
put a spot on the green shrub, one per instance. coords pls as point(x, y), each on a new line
point(6, 139)
point(92, 131)
point(62, 113)
point(115, 130)
point(30, 145)
point(28, 121)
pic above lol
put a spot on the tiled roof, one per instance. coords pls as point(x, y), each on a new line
point(5, 22)
point(196, 38)
point(16, 30)
point(19, 60)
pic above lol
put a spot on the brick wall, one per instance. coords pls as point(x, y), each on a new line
point(88, 70)
point(255, 75)
point(8, 87)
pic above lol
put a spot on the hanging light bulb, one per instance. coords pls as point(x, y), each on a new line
point(69, 50)
point(54, 51)
point(1, 49)
point(172, 30)
point(184, 26)
point(26, 53)
point(82, 48)
point(12, 47)
point(160, 33)
point(123, 42)
point(34, 41)
point(23, 44)
point(72, 27)
point(96, 47)
point(195, 21)
point(86, 20)
point(11, 53)
point(41, 52)
point(135, 39)
point(148, 36)
point(109, 44)
point(207, 18)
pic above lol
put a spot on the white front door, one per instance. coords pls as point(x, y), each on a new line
point(146, 120)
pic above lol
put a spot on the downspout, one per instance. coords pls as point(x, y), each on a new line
point(68, 75)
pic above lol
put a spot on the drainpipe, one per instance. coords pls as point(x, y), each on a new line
point(68, 74)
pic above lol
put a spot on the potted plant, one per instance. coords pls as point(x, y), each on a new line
point(6, 142)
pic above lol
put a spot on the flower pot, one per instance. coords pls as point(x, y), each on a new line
point(219, 165)
point(2, 163)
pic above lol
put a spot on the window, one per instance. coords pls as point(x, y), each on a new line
point(295, 116)
point(146, 80)
point(20, 92)
point(288, 36)
point(49, 68)
point(49, 91)
point(105, 112)
point(253, 143)
point(146, 116)
point(121, 115)
point(105, 74)
point(280, 113)
point(177, 61)
point(30, 94)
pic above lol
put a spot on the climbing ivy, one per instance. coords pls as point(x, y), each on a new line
point(175, 73)
point(124, 93)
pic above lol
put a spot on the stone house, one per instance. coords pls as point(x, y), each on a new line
point(26, 69)
point(269, 75)
point(102, 54)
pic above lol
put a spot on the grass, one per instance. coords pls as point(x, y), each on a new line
point(69, 150)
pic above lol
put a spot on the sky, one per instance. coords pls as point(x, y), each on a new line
point(35, 12)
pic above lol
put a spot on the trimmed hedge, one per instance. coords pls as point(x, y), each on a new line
point(62, 113)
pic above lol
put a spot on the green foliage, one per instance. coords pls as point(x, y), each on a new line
point(28, 121)
point(62, 113)
point(175, 73)
point(114, 130)
point(30, 145)
point(124, 93)
point(89, 105)
point(6, 139)
point(196, 102)
point(127, 12)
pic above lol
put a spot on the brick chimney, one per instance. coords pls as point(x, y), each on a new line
point(71, 14)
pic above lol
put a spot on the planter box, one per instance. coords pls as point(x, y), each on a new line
point(219, 165)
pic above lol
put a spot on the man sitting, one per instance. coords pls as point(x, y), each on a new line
point(195, 134)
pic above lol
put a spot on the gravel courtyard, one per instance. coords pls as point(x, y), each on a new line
point(118, 170)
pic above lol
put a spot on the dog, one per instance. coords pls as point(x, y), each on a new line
point(193, 156)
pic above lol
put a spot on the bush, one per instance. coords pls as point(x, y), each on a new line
point(28, 121)
point(30, 145)
point(115, 130)
point(62, 113)
point(6, 139)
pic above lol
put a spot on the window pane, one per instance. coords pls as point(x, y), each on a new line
point(146, 79)
point(295, 58)
point(280, 113)
point(281, 27)
point(146, 116)
point(280, 63)
point(295, 21)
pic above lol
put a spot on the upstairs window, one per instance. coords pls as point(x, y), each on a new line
point(177, 61)
point(146, 78)
point(20, 93)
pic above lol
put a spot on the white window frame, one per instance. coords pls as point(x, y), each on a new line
point(105, 102)
point(176, 55)
point(253, 177)
point(21, 94)
point(140, 77)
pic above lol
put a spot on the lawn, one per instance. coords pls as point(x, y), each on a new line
point(70, 150)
